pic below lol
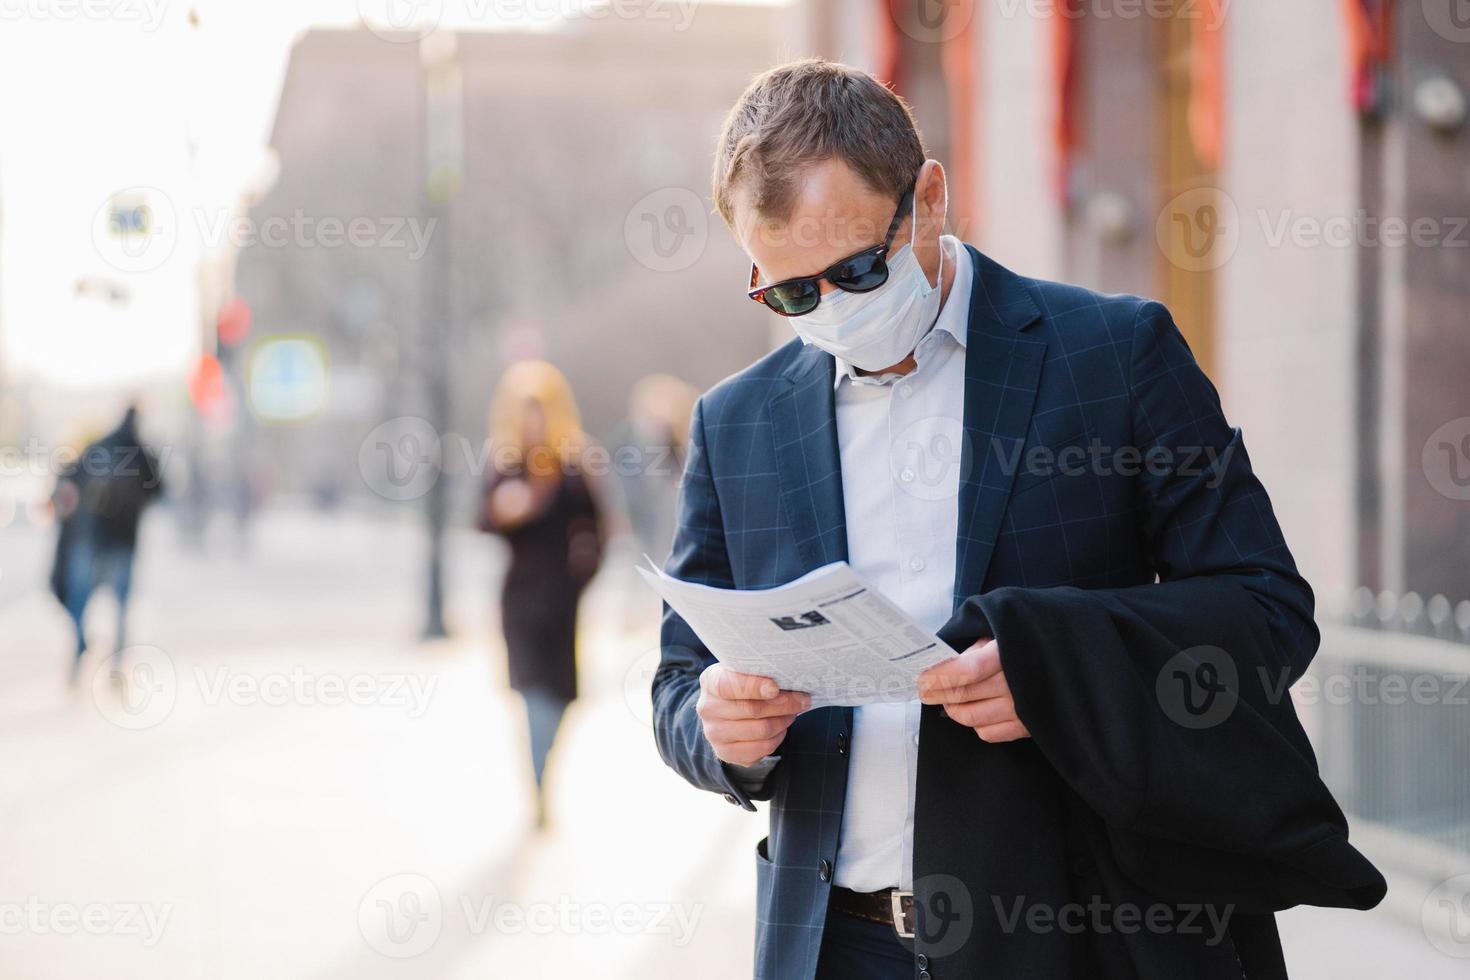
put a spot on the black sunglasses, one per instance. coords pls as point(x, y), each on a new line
point(861, 272)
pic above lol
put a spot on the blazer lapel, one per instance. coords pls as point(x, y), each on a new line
point(808, 469)
point(1002, 371)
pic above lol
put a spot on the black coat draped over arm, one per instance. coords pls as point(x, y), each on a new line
point(1165, 707)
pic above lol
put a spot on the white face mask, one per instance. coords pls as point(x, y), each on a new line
point(877, 330)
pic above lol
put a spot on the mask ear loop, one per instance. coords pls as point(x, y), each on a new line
point(938, 241)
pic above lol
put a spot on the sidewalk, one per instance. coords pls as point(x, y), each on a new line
point(245, 814)
point(298, 790)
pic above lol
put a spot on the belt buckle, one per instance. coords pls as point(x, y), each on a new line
point(901, 924)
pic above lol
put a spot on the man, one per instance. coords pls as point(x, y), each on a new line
point(99, 501)
point(1108, 779)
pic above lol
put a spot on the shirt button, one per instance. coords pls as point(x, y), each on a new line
point(824, 870)
point(906, 391)
point(916, 564)
point(906, 475)
point(923, 961)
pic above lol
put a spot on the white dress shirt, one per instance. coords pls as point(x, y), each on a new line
point(899, 439)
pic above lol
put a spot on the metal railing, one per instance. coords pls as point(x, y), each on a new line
point(1389, 712)
point(1410, 613)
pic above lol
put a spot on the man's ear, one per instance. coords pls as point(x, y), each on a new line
point(931, 198)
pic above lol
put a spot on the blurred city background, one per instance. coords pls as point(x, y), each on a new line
point(306, 241)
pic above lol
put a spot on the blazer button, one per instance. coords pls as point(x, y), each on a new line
point(730, 798)
point(824, 870)
point(923, 975)
point(842, 743)
point(923, 961)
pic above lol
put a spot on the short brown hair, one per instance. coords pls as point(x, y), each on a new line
point(806, 112)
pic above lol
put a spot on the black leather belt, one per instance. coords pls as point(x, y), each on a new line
point(890, 906)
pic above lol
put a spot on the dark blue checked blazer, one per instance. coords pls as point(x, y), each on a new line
point(1047, 365)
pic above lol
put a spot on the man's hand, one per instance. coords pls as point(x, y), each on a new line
point(745, 716)
point(974, 692)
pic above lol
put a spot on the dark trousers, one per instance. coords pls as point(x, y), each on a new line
point(88, 565)
point(859, 949)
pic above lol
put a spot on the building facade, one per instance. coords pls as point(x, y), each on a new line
point(552, 201)
point(1293, 181)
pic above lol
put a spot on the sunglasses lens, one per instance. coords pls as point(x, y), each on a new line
point(861, 273)
point(793, 299)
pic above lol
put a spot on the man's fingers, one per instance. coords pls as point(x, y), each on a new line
point(979, 662)
point(994, 686)
point(954, 672)
point(977, 714)
point(723, 732)
point(731, 685)
point(786, 703)
point(1009, 731)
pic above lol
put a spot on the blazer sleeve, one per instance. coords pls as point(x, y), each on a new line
point(1199, 505)
point(698, 555)
point(1166, 707)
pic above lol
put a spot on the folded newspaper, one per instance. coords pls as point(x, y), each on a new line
point(828, 633)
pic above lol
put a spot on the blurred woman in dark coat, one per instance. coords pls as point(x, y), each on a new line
point(539, 500)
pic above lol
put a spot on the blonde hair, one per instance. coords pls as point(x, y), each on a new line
point(542, 384)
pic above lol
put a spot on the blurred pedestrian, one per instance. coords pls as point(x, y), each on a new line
point(650, 458)
point(538, 498)
point(99, 501)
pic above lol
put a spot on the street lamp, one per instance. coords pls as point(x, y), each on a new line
point(443, 177)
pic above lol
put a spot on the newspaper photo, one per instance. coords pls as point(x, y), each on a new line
point(828, 633)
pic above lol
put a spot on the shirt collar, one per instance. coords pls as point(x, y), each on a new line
point(954, 315)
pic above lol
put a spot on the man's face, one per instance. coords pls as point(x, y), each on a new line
point(835, 215)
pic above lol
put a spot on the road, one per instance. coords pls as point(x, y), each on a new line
point(296, 787)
